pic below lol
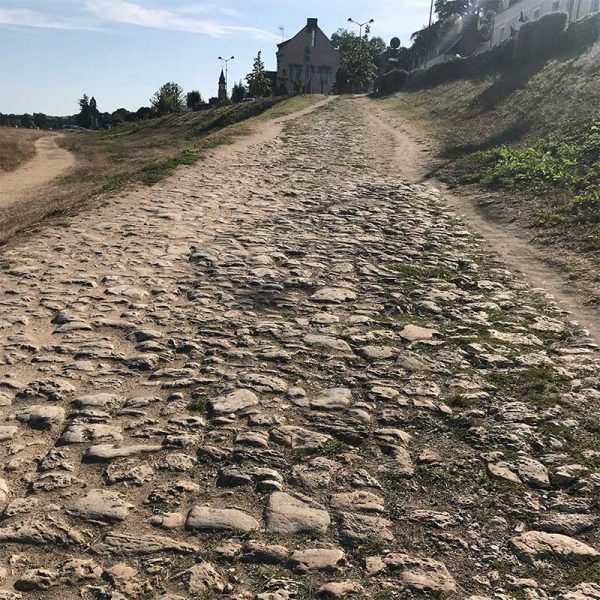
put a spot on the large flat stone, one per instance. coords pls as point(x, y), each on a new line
point(206, 518)
point(288, 515)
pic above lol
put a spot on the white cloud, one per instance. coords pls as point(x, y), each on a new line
point(122, 11)
point(31, 18)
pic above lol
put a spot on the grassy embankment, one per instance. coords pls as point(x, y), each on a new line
point(16, 147)
point(139, 153)
point(534, 136)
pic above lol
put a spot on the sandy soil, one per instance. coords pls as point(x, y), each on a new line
point(49, 162)
point(560, 274)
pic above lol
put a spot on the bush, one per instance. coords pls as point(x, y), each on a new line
point(570, 165)
point(416, 79)
point(582, 34)
point(444, 72)
point(537, 41)
point(392, 82)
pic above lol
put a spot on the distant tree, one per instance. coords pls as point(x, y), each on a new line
point(94, 113)
point(27, 121)
point(168, 99)
point(259, 84)
point(41, 120)
point(144, 112)
point(84, 118)
point(238, 93)
point(359, 58)
point(426, 38)
point(193, 98)
point(120, 116)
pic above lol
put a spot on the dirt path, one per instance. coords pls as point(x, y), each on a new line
point(287, 374)
point(49, 162)
point(412, 157)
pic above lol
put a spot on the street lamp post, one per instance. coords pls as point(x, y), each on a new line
point(361, 25)
point(226, 61)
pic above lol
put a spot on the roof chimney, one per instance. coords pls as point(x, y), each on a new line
point(312, 23)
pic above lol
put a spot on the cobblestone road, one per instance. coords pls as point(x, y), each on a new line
point(286, 375)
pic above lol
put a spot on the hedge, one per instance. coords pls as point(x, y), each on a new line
point(392, 82)
point(582, 34)
point(537, 42)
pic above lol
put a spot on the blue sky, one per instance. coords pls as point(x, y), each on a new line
point(121, 51)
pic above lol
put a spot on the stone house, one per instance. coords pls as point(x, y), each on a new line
point(511, 15)
point(308, 62)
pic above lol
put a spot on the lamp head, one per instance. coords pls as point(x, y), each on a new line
point(220, 58)
point(350, 20)
point(372, 21)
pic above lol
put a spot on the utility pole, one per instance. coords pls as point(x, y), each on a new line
point(226, 61)
point(282, 29)
point(427, 39)
point(361, 25)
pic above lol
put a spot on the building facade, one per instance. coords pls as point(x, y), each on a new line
point(308, 62)
point(512, 15)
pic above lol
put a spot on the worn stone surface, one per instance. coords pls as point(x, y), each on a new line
point(286, 514)
point(205, 518)
point(288, 371)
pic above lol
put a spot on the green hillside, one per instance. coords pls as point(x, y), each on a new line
point(534, 133)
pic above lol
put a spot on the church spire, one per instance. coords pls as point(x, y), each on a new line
point(222, 87)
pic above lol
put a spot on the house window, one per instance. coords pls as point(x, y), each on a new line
point(502, 32)
point(595, 6)
point(536, 14)
point(295, 72)
point(556, 6)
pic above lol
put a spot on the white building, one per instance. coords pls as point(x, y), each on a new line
point(511, 16)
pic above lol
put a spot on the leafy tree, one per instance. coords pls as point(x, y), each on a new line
point(168, 99)
point(120, 116)
point(94, 113)
point(40, 120)
point(359, 60)
point(238, 93)
point(421, 42)
point(193, 98)
point(144, 112)
point(447, 10)
point(84, 118)
point(259, 84)
point(357, 67)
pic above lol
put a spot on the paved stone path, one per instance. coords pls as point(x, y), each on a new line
point(289, 377)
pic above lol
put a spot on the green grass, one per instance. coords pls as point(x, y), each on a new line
point(513, 135)
point(416, 272)
point(540, 385)
point(329, 449)
point(571, 166)
point(197, 405)
point(459, 401)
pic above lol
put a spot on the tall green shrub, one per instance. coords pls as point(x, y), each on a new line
point(582, 34)
point(538, 40)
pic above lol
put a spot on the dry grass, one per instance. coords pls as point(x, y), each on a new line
point(16, 147)
point(136, 154)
